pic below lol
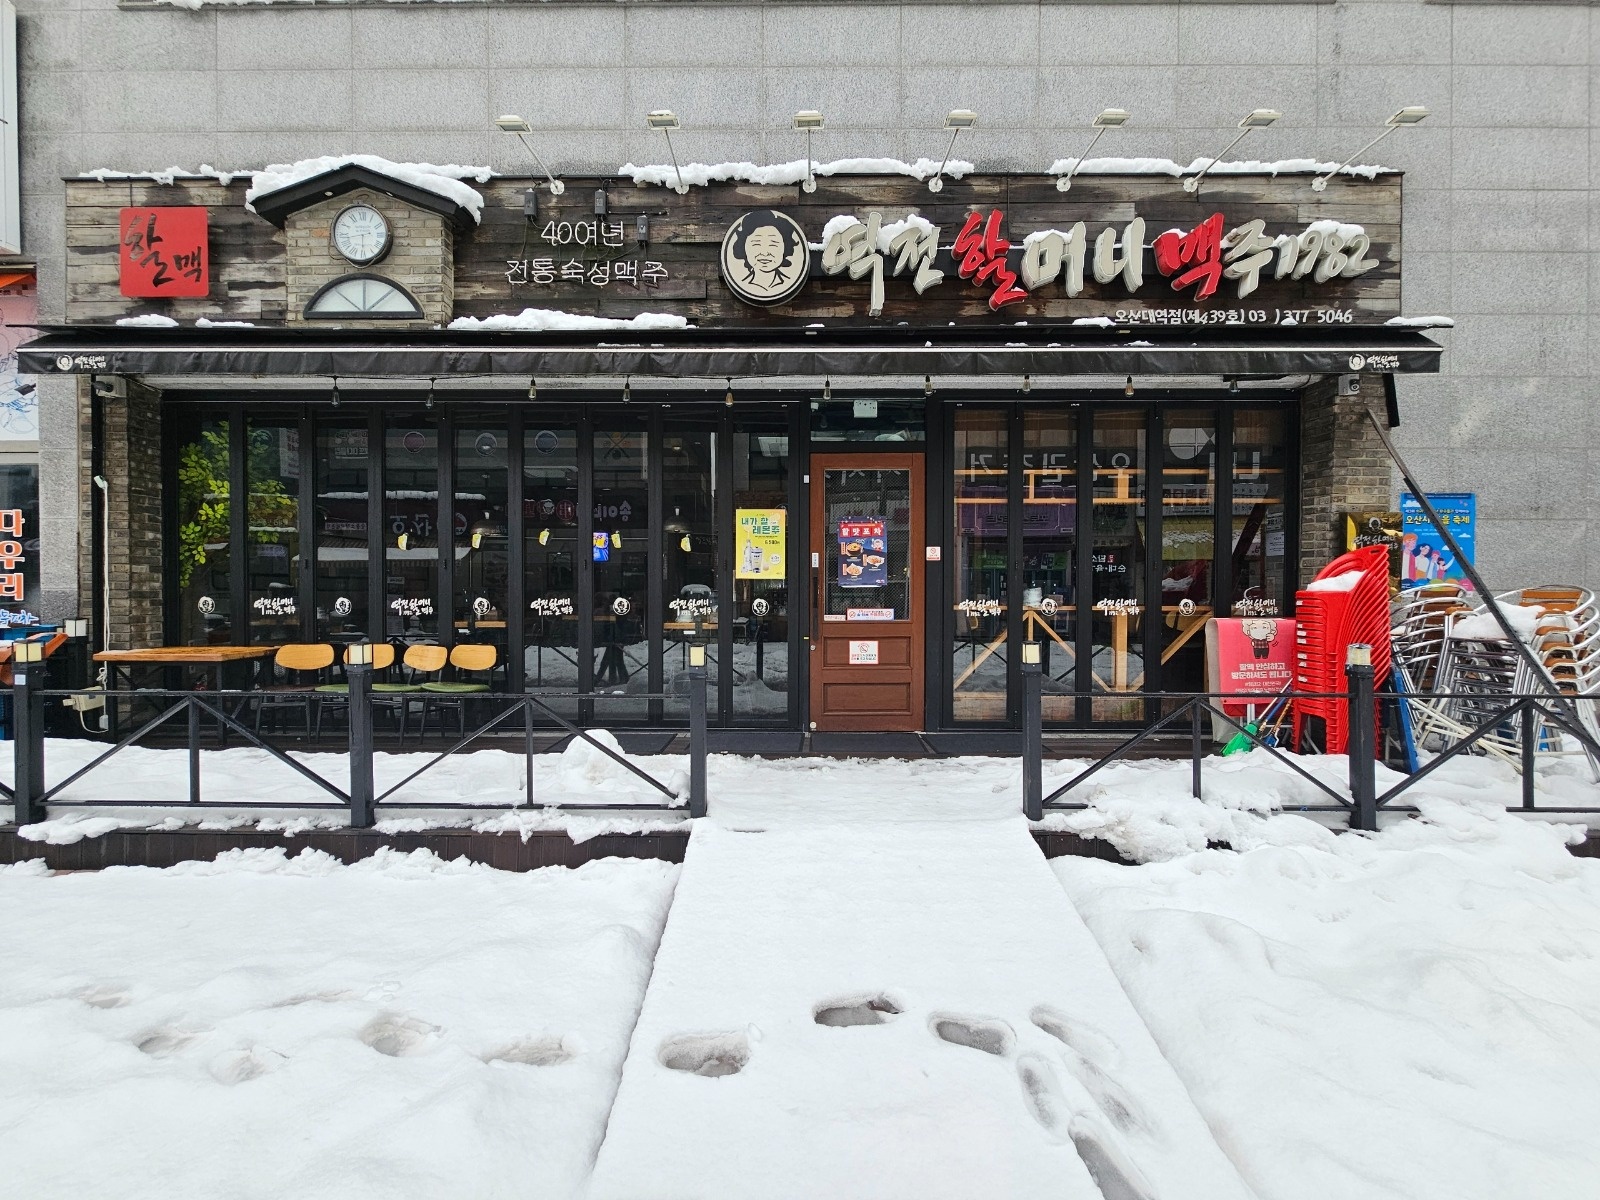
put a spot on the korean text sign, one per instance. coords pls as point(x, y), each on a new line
point(760, 549)
point(12, 584)
point(1250, 655)
point(863, 553)
point(164, 252)
point(1424, 556)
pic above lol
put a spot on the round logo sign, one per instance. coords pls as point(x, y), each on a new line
point(765, 257)
point(480, 606)
point(1357, 361)
point(760, 606)
point(63, 362)
point(1186, 607)
point(206, 605)
point(620, 606)
point(342, 606)
point(1048, 606)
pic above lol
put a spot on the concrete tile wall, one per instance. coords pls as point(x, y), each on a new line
point(1502, 219)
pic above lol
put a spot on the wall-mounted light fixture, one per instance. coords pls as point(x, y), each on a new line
point(666, 121)
point(727, 398)
point(1412, 114)
point(428, 403)
point(1110, 118)
point(810, 121)
point(957, 120)
point(1258, 119)
point(335, 396)
point(511, 123)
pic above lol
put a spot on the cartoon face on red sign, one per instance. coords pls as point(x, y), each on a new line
point(164, 252)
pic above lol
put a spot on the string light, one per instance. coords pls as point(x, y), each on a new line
point(428, 403)
point(827, 389)
point(927, 385)
point(627, 389)
point(336, 391)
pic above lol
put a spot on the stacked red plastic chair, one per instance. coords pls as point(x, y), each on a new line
point(1347, 603)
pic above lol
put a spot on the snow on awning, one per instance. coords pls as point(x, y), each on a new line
point(283, 188)
point(1036, 349)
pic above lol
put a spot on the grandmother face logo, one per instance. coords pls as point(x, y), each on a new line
point(765, 257)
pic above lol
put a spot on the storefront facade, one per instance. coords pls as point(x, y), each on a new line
point(862, 442)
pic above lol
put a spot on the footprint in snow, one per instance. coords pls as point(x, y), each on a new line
point(978, 1033)
point(397, 1036)
point(241, 1066)
point(1088, 1053)
point(165, 1042)
point(1042, 1094)
point(856, 1010)
point(1076, 1035)
point(1112, 1171)
point(708, 1054)
point(104, 996)
point(534, 1052)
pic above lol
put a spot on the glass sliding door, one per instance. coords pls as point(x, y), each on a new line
point(480, 536)
point(1049, 553)
point(979, 565)
point(689, 612)
point(764, 571)
point(550, 556)
point(343, 477)
point(1188, 544)
point(1260, 523)
point(411, 529)
point(1117, 591)
point(619, 557)
point(272, 536)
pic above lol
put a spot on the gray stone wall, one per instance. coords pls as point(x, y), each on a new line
point(422, 260)
point(1500, 211)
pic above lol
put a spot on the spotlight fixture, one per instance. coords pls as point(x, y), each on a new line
point(428, 403)
point(627, 389)
point(533, 388)
point(1233, 387)
point(810, 121)
point(1412, 114)
point(1109, 118)
point(335, 396)
point(666, 121)
point(957, 120)
point(927, 385)
point(1258, 119)
point(513, 124)
point(827, 389)
point(1127, 388)
point(728, 396)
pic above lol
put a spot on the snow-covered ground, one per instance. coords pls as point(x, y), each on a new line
point(271, 1027)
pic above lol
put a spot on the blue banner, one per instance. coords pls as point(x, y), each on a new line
point(1424, 556)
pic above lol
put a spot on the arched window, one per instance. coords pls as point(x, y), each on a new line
point(363, 296)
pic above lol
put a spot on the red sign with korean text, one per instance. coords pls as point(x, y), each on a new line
point(1250, 655)
point(164, 252)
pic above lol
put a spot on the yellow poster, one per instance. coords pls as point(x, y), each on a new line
point(760, 547)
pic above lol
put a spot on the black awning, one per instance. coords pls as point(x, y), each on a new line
point(703, 353)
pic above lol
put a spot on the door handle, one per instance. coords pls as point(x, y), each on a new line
point(816, 606)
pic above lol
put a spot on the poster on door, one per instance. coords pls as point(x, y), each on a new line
point(759, 551)
point(1424, 556)
point(863, 553)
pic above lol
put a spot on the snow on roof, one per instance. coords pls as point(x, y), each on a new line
point(1165, 166)
point(536, 319)
point(169, 176)
point(1434, 322)
point(148, 320)
point(699, 174)
point(441, 180)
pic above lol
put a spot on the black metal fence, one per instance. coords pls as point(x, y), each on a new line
point(1527, 713)
point(214, 716)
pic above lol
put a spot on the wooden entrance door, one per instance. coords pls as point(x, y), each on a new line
point(867, 592)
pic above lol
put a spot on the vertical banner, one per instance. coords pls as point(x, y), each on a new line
point(863, 553)
point(1424, 556)
point(759, 551)
point(1251, 655)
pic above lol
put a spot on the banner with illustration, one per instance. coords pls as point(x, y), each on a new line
point(759, 552)
point(1424, 556)
point(863, 553)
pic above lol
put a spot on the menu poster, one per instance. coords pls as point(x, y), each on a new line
point(760, 546)
point(863, 553)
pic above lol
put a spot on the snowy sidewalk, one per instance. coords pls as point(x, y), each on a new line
point(908, 1010)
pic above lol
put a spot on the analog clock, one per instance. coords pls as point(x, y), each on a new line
point(361, 234)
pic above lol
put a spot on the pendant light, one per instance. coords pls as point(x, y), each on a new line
point(827, 389)
point(336, 391)
point(533, 388)
point(627, 389)
point(1127, 388)
point(727, 398)
point(428, 403)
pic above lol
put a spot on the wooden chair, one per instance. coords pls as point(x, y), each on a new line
point(421, 664)
point(465, 660)
point(334, 697)
point(296, 660)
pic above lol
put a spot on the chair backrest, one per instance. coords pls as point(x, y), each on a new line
point(304, 656)
point(382, 656)
point(473, 657)
point(428, 659)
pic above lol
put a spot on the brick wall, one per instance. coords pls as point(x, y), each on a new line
point(132, 467)
point(1343, 466)
point(421, 258)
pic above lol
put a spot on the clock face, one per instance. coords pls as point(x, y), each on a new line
point(361, 234)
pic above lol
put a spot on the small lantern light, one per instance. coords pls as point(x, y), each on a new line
point(359, 654)
point(697, 655)
point(1358, 654)
point(27, 651)
point(1030, 654)
point(76, 627)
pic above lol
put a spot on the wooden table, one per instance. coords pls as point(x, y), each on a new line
point(217, 658)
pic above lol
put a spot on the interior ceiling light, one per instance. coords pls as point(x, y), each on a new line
point(513, 124)
point(1109, 118)
point(810, 121)
point(1412, 114)
point(957, 120)
point(666, 121)
point(1257, 119)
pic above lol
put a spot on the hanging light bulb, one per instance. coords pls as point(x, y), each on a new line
point(336, 391)
point(627, 389)
point(544, 537)
point(1127, 388)
point(1027, 385)
point(684, 545)
point(533, 388)
point(927, 385)
point(827, 389)
point(402, 541)
point(428, 403)
point(728, 397)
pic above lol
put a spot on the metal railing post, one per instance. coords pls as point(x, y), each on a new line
point(1032, 732)
point(697, 731)
point(1363, 756)
point(1196, 747)
point(27, 728)
point(1530, 739)
point(363, 811)
point(194, 747)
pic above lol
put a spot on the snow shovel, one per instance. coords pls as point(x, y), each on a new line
point(1242, 741)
